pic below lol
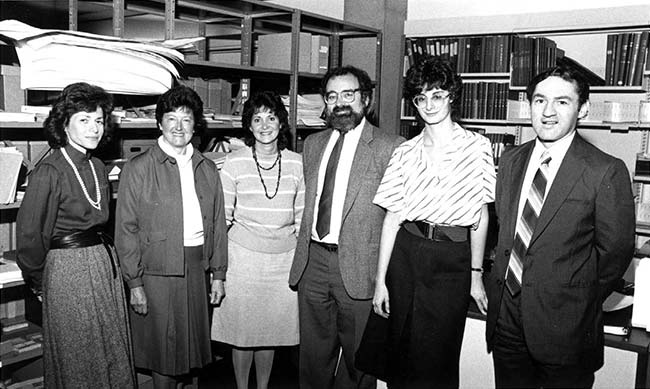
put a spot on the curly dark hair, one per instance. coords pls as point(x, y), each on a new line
point(182, 96)
point(365, 83)
point(77, 97)
point(273, 102)
point(566, 73)
point(431, 72)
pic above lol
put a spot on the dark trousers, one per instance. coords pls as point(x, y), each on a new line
point(514, 366)
point(330, 320)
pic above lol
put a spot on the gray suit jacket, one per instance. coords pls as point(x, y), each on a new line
point(362, 220)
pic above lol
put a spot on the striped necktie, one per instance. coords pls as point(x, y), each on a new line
point(526, 226)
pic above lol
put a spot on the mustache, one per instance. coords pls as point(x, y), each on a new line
point(342, 110)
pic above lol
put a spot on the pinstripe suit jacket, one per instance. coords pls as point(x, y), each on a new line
point(362, 220)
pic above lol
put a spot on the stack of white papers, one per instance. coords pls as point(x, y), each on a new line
point(10, 161)
point(53, 59)
point(310, 108)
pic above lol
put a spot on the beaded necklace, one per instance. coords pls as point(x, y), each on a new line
point(278, 161)
point(95, 204)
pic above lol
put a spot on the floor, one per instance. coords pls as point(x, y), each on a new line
point(219, 374)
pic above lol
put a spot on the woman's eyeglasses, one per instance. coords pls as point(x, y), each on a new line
point(345, 96)
point(436, 99)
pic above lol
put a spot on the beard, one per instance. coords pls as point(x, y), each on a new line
point(343, 118)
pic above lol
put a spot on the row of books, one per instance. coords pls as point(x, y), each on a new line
point(599, 111)
point(485, 54)
point(627, 53)
point(479, 100)
point(500, 142)
point(531, 56)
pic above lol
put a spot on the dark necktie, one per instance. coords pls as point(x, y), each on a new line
point(526, 226)
point(325, 203)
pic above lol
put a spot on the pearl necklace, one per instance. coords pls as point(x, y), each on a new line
point(95, 204)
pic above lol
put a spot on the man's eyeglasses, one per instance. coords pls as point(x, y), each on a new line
point(436, 99)
point(345, 96)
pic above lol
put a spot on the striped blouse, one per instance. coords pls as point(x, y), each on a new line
point(450, 194)
point(256, 222)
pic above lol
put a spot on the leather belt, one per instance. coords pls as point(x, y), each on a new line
point(80, 239)
point(437, 232)
point(327, 246)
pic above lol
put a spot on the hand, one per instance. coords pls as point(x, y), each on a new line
point(380, 302)
point(218, 292)
point(478, 292)
point(139, 300)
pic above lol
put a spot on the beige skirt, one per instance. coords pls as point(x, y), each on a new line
point(259, 310)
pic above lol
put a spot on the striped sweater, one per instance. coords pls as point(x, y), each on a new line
point(254, 221)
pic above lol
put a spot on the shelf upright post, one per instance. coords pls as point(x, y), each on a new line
point(377, 93)
point(73, 21)
point(293, 78)
point(170, 16)
point(246, 58)
point(118, 18)
point(204, 53)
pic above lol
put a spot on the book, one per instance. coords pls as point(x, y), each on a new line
point(641, 56)
point(320, 47)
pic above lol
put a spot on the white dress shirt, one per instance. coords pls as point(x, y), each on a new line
point(340, 183)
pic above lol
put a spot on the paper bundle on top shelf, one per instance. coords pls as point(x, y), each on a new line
point(52, 59)
point(310, 109)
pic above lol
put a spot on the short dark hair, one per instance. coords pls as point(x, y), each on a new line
point(182, 96)
point(274, 103)
point(365, 83)
point(431, 72)
point(77, 97)
point(567, 74)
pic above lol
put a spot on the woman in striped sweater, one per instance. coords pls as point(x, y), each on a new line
point(264, 197)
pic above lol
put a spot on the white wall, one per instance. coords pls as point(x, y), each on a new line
point(434, 9)
point(331, 8)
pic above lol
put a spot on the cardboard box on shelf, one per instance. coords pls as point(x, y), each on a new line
point(132, 147)
point(274, 51)
point(11, 96)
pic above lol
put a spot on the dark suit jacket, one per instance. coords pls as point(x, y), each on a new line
point(583, 242)
point(362, 220)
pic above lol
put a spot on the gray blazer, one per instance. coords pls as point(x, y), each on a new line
point(362, 220)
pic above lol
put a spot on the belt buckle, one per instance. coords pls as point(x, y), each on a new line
point(431, 231)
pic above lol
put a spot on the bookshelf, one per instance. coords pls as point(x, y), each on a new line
point(231, 31)
point(583, 35)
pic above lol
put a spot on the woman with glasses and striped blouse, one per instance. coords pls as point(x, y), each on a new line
point(435, 190)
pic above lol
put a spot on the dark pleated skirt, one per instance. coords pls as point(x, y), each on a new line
point(429, 289)
point(174, 336)
point(86, 342)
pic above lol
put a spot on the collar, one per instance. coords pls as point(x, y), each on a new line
point(75, 154)
point(557, 150)
point(182, 159)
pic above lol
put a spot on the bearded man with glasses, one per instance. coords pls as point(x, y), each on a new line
point(336, 256)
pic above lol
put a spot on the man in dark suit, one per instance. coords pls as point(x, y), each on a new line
point(566, 234)
point(336, 256)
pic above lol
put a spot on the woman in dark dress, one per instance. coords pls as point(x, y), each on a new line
point(170, 232)
point(66, 258)
point(435, 191)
